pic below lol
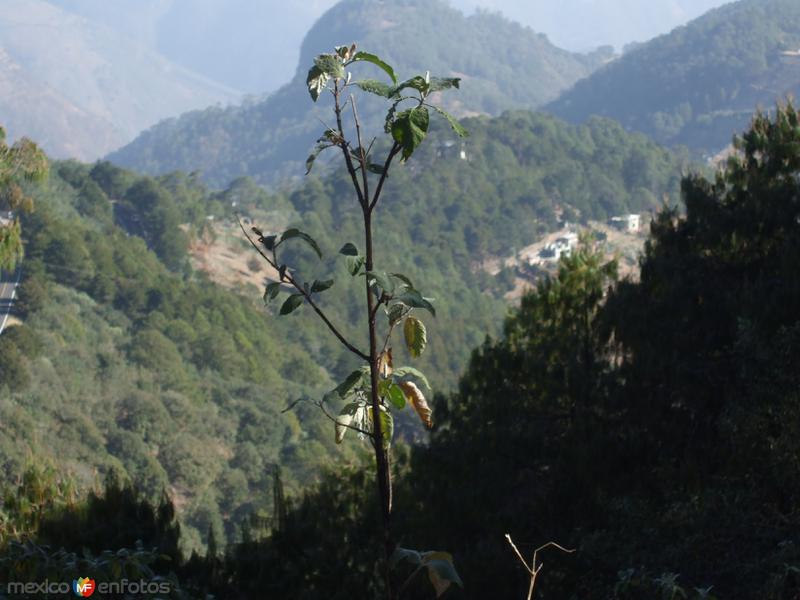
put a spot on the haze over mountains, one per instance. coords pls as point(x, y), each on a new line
point(81, 89)
point(250, 45)
point(701, 83)
point(580, 25)
point(253, 45)
point(103, 72)
point(503, 64)
point(696, 86)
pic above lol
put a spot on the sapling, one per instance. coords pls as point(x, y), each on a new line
point(372, 393)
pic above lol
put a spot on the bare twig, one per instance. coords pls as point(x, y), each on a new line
point(325, 319)
point(519, 555)
point(345, 147)
point(534, 569)
point(362, 159)
point(255, 246)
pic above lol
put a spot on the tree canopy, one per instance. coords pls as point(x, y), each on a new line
point(19, 163)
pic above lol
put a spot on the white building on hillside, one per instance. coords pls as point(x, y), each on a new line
point(630, 223)
point(563, 246)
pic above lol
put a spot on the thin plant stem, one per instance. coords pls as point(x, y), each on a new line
point(535, 568)
point(289, 279)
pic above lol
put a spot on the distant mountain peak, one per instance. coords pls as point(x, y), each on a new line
point(504, 65)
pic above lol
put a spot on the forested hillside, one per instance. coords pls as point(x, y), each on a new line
point(122, 364)
point(503, 64)
point(143, 365)
point(649, 427)
point(700, 84)
point(467, 389)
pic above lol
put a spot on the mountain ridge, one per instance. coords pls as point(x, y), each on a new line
point(270, 139)
point(700, 84)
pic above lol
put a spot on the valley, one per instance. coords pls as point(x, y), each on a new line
point(525, 293)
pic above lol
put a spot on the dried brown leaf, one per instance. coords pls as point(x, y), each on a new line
point(418, 401)
point(385, 364)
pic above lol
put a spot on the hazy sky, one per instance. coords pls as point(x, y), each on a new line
point(586, 24)
point(573, 24)
point(252, 45)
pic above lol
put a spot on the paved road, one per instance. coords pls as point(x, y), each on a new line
point(8, 291)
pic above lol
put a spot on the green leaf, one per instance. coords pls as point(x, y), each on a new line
point(375, 60)
point(437, 84)
point(354, 264)
point(405, 372)
point(382, 280)
point(345, 418)
point(396, 396)
point(375, 168)
point(387, 427)
point(349, 250)
point(403, 278)
point(318, 149)
point(395, 312)
point(417, 83)
point(373, 86)
point(271, 291)
point(296, 233)
point(292, 303)
point(268, 241)
point(414, 299)
point(456, 126)
point(416, 336)
point(321, 286)
point(331, 136)
point(316, 81)
point(410, 128)
point(344, 388)
point(331, 65)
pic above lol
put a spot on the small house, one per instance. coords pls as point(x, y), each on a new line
point(628, 223)
point(563, 246)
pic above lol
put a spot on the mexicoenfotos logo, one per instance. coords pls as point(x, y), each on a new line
point(83, 587)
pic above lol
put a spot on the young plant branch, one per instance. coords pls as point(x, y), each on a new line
point(348, 160)
point(321, 405)
point(384, 174)
point(287, 277)
point(362, 155)
point(369, 404)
